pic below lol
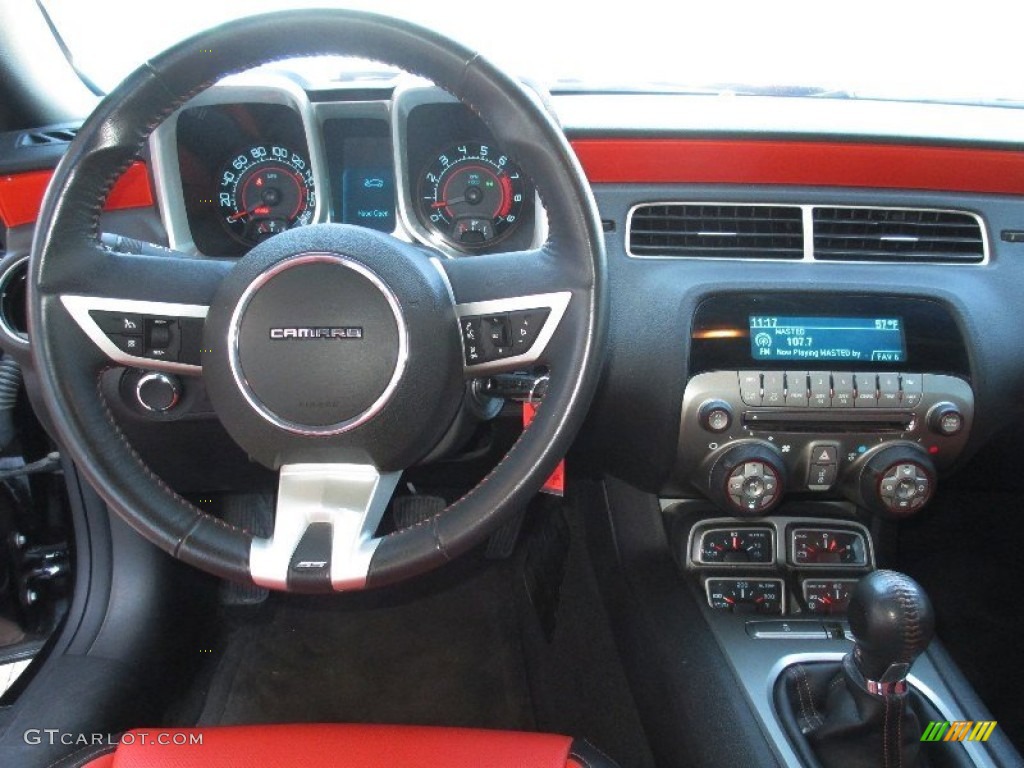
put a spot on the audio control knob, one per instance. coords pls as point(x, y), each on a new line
point(745, 478)
point(157, 392)
point(896, 480)
point(945, 419)
point(715, 416)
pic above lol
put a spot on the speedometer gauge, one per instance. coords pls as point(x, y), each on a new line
point(266, 189)
point(472, 195)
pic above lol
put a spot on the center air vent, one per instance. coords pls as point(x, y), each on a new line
point(716, 230)
point(897, 234)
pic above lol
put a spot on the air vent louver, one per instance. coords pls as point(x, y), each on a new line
point(896, 234)
point(47, 137)
point(716, 230)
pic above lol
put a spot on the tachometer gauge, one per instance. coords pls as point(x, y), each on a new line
point(472, 195)
point(266, 189)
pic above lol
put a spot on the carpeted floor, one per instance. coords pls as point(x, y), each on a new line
point(518, 644)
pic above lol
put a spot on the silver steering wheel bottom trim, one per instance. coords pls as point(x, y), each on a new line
point(79, 308)
point(556, 302)
point(351, 498)
point(242, 383)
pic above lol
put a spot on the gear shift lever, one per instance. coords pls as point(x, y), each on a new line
point(892, 622)
point(859, 714)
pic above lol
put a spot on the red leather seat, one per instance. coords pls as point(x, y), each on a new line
point(343, 746)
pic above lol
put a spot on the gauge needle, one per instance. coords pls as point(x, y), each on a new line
point(446, 203)
point(259, 210)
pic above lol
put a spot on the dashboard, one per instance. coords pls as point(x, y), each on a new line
point(244, 161)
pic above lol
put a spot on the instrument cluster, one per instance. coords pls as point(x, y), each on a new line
point(416, 164)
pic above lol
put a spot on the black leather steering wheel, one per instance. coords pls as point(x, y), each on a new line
point(341, 414)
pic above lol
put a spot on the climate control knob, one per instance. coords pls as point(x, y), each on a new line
point(896, 480)
point(746, 478)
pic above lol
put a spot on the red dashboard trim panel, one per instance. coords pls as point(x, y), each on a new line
point(21, 194)
point(807, 163)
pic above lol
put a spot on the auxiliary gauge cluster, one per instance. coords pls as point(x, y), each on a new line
point(787, 565)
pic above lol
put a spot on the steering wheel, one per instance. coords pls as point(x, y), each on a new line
point(335, 355)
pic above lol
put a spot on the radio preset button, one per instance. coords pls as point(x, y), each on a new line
point(889, 390)
point(821, 389)
point(867, 390)
point(774, 388)
point(796, 389)
point(842, 389)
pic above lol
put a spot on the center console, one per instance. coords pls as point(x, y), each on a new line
point(805, 418)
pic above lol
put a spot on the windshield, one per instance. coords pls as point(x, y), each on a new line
point(877, 50)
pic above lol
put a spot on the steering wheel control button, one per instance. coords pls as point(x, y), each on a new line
point(525, 326)
point(842, 389)
point(162, 338)
point(472, 339)
point(493, 337)
point(122, 323)
point(497, 333)
point(945, 419)
point(132, 345)
point(157, 392)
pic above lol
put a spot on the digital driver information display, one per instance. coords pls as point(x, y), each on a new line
point(870, 339)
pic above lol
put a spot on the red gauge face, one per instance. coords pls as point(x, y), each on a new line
point(264, 190)
point(471, 195)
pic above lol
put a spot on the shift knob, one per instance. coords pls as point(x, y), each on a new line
point(892, 622)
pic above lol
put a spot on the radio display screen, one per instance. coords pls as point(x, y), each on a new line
point(865, 339)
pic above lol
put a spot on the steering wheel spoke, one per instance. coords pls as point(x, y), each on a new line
point(327, 515)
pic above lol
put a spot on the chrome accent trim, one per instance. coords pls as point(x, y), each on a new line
point(755, 577)
point(807, 210)
point(80, 306)
point(865, 540)
point(252, 87)
point(714, 529)
point(155, 376)
point(556, 302)
point(243, 384)
point(13, 336)
point(350, 497)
